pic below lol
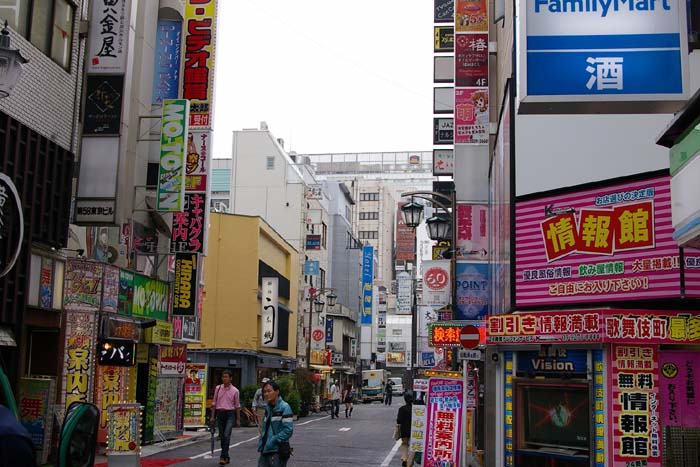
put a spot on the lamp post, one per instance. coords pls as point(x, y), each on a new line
point(441, 226)
point(11, 61)
point(315, 304)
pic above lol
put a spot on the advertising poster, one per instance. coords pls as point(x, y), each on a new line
point(185, 285)
point(110, 388)
point(634, 409)
point(444, 407)
point(472, 60)
point(396, 354)
point(189, 225)
point(126, 292)
point(472, 232)
point(436, 283)
point(597, 245)
point(444, 11)
point(172, 359)
point(166, 67)
point(35, 397)
point(367, 283)
point(198, 161)
point(46, 282)
point(124, 435)
point(167, 403)
point(269, 315)
point(471, 16)
point(198, 74)
point(195, 394)
point(472, 285)
point(108, 44)
point(110, 289)
point(82, 286)
point(680, 382)
point(471, 116)
point(81, 329)
point(151, 298)
point(173, 149)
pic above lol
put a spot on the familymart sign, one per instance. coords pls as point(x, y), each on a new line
point(173, 154)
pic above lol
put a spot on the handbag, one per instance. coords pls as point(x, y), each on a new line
point(284, 449)
point(397, 432)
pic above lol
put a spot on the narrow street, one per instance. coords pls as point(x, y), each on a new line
point(364, 439)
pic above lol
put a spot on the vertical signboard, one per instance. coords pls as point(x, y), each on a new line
point(436, 282)
point(444, 159)
point(634, 406)
point(110, 388)
point(471, 16)
point(198, 161)
point(444, 11)
point(444, 407)
point(472, 232)
point(329, 330)
point(110, 289)
point(79, 356)
point(189, 225)
point(103, 105)
point(126, 292)
point(198, 75)
point(472, 60)
point(109, 36)
point(471, 109)
point(173, 149)
point(367, 283)
point(599, 407)
point(195, 394)
point(185, 285)
point(124, 435)
point(270, 312)
point(472, 285)
point(405, 238)
point(404, 295)
point(35, 398)
point(680, 380)
point(150, 298)
point(166, 68)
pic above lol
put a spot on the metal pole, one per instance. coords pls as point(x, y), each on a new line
point(453, 261)
point(308, 349)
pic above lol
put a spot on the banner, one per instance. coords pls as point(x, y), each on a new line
point(185, 285)
point(83, 286)
point(437, 289)
point(198, 74)
point(166, 67)
point(108, 42)
point(680, 379)
point(270, 312)
point(173, 152)
point(195, 394)
point(472, 284)
point(472, 60)
point(81, 329)
point(471, 116)
point(444, 406)
point(36, 397)
point(367, 283)
point(189, 225)
point(151, 298)
point(472, 232)
point(633, 407)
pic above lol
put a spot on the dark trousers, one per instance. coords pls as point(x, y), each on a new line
point(335, 408)
point(387, 398)
point(225, 420)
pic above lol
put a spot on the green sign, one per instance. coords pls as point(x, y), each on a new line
point(126, 292)
point(173, 153)
point(685, 149)
point(150, 298)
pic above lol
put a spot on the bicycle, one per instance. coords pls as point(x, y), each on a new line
point(248, 417)
point(327, 406)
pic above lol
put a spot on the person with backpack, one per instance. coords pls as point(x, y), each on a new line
point(225, 405)
point(273, 444)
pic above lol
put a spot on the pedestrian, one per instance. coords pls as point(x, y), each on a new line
point(225, 405)
point(348, 396)
point(335, 400)
point(388, 392)
point(403, 419)
point(259, 405)
point(273, 444)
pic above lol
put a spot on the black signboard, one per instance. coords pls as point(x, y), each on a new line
point(103, 104)
point(145, 239)
point(185, 287)
point(443, 132)
point(444, 11)
point(444, 39)
point(313, 242)
point(11, 224)
point(116, 352)
point(189, 328)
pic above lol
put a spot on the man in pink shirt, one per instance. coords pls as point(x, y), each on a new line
point(226, 402)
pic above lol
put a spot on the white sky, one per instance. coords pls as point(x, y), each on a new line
point(326, 75)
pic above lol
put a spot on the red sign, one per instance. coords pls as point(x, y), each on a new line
point(469, 337)
point(317, 335)
point(436, 279)
point(445, 335)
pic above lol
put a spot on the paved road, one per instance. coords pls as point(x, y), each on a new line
point(364, 439)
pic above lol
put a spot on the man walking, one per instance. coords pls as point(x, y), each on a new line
point(273, 444)
point(388, 392)
point(226, 403)
point(259, 405)
point(335, 400)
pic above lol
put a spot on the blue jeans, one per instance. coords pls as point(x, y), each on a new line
point(225, 420)
point(271, 460)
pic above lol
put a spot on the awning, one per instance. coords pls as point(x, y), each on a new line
point(350, 372)
point(7, 337)
point(322, 367)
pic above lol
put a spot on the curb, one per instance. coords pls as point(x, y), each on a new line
point(152, 449)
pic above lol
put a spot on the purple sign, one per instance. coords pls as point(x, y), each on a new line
point(680, 376)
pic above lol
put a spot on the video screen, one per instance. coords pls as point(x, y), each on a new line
point(556, 415)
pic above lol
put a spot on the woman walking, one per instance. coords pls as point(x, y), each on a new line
point(403, 419)
point(348, 397)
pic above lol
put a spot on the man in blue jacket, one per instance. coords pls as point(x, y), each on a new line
point(278, 427)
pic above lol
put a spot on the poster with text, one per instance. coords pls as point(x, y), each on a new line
point(471, 116)
point(443, 422)
point(472, 60)
point(471, 16)
point(195, 394)
point(472, 283)
point(680, 383)
point(472, 232)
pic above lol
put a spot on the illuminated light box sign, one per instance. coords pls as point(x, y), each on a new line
point(444, 334)
point(601, 50)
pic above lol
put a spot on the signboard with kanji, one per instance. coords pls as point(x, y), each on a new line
point(198, 73)
point(680, 379)
point(444, 408)
point(79, 356)
point(35, 398)
point(124, 434)
point(189, 225)
point(195, 394)
point(444, 334)
point(436, 282)
point(600, 244)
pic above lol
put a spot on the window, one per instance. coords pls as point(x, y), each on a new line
point(369, 216)
point(48, 24)
point(324, 234)
point(369, 196)
point(322, 283)
point(270, 163)
point(369, 234)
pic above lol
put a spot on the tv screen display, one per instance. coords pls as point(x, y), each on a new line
point(556, 415)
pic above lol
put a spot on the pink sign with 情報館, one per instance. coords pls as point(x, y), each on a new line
point(444, 422)
point(599, 244)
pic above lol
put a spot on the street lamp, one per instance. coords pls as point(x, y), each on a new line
point(442, 226)
point(316, 304)
point(11, 61)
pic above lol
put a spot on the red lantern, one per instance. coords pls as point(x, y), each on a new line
point(317, 377)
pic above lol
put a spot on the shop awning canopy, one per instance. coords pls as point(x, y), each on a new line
point(322, 367)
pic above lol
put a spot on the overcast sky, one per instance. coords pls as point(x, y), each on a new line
point(326, 75)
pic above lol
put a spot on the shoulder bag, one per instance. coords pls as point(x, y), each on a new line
point(284, 449)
